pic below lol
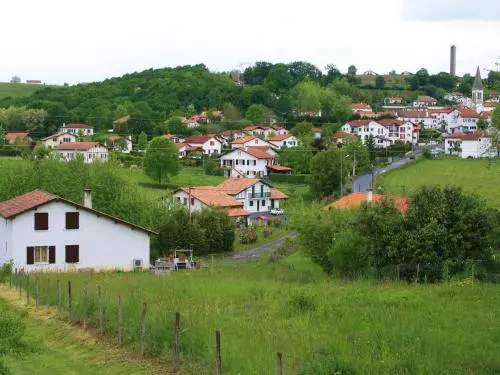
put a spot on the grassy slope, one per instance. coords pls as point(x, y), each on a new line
point(17, 89)
point(473, 175)
point(319, 324)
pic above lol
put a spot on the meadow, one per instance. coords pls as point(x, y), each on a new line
point(321, 325)
point(17, 90)
point(477, 176)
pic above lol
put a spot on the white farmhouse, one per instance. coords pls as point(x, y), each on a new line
point(251, 162)
point(209, 144)
point(424, 102)
point(365, 128)
point(469, 145)
point(419, 116)
point(250, 141)
point(58, 138)
point(91, 151)
point(281, 141)
point(76, 129)
point(43, 232)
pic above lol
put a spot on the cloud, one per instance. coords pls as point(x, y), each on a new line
point(452, 10)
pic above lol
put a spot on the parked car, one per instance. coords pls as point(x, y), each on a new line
point(277, 211)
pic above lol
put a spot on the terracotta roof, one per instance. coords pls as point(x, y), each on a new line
point(361, 106)
point(342, 135)
point(279, 168)
point(276, 194)
point(55, 136)
point(12, 136)
point(235, 185)
point(36, 198)
point(237, 212)
point(440, 110)
point(249, 128)
point(426, 99)
point(390, 121)
point(210, 196)
point(259, 152)
point(280, 137)
point(413, 114)
point(78, 126)
point(77, 146)
point(198, 139)
point(356, 199)
point(169, 136)
point(466, 112)
point(358, 123)
point(243, 140)
point(467, 136)
point(490, 104)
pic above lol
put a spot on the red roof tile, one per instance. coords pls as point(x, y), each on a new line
point(259, 152)
point(243, 140)
point(467, 136)
point(356, 199)
point(358, 123)
point(25, 202)
point(12, 136)
point(199, 139)
point(342, 135)
point(77, 146)
point(78, 126)
point(237, 212)
point(280, 137)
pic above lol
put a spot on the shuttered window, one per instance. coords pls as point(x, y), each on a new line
point(72, 253)
point(30, 255)
point(41, 221)
point(52, 254)
point(72, 220)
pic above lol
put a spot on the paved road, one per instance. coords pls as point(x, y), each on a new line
point(253, 254)
point(364, 182)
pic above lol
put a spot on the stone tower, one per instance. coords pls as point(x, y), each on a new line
point(453, 60)
point(478, 92)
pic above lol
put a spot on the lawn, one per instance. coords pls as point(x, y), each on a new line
point(17, 90)
point(321, 325)
point(477, 176)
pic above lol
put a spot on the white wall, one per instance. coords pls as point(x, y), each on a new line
point(104, 243)
point(182, 197)
point(76, 131)
point(52, 142)
point(470, 148)
point(5, 241)
point(247, 167)
point(96, 153)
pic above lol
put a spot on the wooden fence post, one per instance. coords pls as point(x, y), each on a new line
point(70, 301)
point(120, 321)
point(279, 370)
point(28, 290)
point(85, 307)
point(177, 330)
point(37, 293)
point(59, 299)
point(218, 359)
point(48, 293)
point(143, 326)
point(101, 311)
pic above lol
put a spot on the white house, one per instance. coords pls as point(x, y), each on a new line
point(286, 140)
point(56, 139)
point(279, 129)
point(365, 128)
point(399, 130)
point(209, 144)
point(417, 116)
point(424, 102)
point(173, 138)
point(119, 143)
point(250, 141)
point(44, 232)
point(77, 129)
point(91, 151)
point(316, 133)
point(251, 162)
point(469, 145)
point(251, 195)
point(361, 107)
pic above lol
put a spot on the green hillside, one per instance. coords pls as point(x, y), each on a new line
point(17, 90)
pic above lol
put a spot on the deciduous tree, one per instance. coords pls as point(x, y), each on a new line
point(161, 159)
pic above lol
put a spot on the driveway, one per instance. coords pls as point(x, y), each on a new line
point(254, 254)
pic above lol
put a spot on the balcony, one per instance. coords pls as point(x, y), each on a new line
point(266, 194)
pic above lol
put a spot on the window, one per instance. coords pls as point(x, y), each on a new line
point(40, 255)
point(72, 220)
point(192, 201)
point(263, 203)
point(41, 221)
point(212, 143)
point(185, 201)
point(255, 162)
point(251, 203)
point(72, 253)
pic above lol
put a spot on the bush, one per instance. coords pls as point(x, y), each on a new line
point(427, 154)
point(5, 272)
point(248, 235)
point(212, 167)
point(287, 248)
point(266, 232)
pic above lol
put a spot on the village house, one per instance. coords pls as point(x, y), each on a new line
point(251, 195)
point(418, 116)
point(42, 232)
point(282, 141)
point(361, 107)
point(393, 100)
point(12, 137)
point(279, 130)
point(91, 151)
point(56, 139)
point(316, 133)
point(77, 129)
point(365, 128)
point(424, 102)
point(469, 145)
point(249, 162)
point(250, 141)
point(209, 144)
point(341, 137)
point(119, 143)
point(356, 199)
point(173, 138)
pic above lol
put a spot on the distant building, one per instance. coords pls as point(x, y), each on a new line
point(478, 92)
point(424, 102)
point(56, 139)
point(469, 145)
point(76, 129)
point(12, 137)
point(34, 82)
point(91, 151)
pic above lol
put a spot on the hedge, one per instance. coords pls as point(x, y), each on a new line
point(288, 178)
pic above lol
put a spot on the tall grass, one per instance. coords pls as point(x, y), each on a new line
point(322, 326)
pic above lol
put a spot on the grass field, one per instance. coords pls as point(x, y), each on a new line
point(476, 176)
point(17, 90)
point(322, 325)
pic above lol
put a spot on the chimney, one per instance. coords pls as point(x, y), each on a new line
point(370, 195)
point(87, 198)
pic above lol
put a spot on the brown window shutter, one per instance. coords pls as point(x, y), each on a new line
point(41, 221)
point(72, 220)
point(52, 254)
point(72, 253)
point(30, 255)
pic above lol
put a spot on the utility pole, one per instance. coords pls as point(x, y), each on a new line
point(189, 204)
point(341, 173)
point(354, 165)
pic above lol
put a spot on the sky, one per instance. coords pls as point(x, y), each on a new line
point(74, 41)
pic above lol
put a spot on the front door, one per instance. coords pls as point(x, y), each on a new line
point(258, 205)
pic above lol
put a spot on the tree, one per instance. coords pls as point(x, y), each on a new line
point(279, 79)
point(231, 113)
point(142, 141)
point(219, 230)
point(352, 70)
point(255, 75)
point(306, 96)
point(298, 158)
point(179, 231)
point(379, 82)
point(370, 145)
point(301, 70)
point(161, 159)
point(335, 106)
point(326, 172)
point(40, 151)
point(258, 114)
point(495, 117)
point(302, 129)
point(358, 151)
point(482, 124)
point(332, 73)
point(15, 79)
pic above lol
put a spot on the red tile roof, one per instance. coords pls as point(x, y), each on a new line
point(276, 194)
point(342, 135)
point(12, 136)
point(356, 199)
point(279, 168)
point(358, 123)
point(259, 152)
point(390, 121)
point(77, 146)
point(467, 136)
point(361, 106)
point(233, 186)
point(237, 212)
point(55, 136)
point(280, 137)
point(78, 126)
point(426, 99)
point(243, 140)
point(210, 196)
point(198, 139)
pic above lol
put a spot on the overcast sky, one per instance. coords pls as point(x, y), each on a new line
point(80, 41)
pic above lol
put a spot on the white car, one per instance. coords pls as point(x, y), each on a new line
point(277, 211)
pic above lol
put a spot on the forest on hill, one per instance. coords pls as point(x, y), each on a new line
point(285, 91)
